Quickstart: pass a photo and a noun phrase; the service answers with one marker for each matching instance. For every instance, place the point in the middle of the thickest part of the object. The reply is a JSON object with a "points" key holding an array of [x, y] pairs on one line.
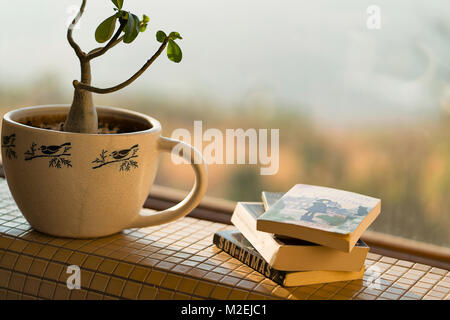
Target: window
{"points": [[360, 94]]}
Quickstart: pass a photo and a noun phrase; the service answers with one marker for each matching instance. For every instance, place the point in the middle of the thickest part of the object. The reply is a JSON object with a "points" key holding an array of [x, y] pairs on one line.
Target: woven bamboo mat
{"points": [[175, 261]]}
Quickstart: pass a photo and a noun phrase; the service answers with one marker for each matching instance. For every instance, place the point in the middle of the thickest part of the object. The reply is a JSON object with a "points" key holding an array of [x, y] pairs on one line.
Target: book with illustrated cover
{"points": [[290, 254], [235, 244], [326, 216]]}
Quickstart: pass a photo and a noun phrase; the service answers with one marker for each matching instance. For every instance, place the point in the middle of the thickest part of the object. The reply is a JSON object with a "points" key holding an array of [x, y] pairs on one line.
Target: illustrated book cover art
{"points": [[319, 214], [291, 254]]}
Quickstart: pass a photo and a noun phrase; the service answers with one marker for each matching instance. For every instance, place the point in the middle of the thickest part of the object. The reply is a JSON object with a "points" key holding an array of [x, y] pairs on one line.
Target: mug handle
{"points": [[194, 197]]}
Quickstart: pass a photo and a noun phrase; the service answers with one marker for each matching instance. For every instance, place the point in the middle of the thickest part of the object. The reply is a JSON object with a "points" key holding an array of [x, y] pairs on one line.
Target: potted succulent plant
{"points": [[84, 171]]}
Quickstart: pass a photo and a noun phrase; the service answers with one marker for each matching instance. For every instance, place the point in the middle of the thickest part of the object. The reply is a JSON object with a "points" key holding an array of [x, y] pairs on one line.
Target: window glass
{"points": [[352, 95]]}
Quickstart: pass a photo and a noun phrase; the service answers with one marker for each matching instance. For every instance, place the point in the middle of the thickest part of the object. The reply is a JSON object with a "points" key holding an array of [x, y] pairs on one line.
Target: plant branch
{"points": [[119, 40], [48, 156], [114, 41], [86, 87], [120, 160], [72, 42]]}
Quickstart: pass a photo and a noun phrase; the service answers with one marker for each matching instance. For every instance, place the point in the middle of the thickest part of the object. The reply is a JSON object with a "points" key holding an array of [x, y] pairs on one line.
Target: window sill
{"points": [[179, 261], [220, 210]]}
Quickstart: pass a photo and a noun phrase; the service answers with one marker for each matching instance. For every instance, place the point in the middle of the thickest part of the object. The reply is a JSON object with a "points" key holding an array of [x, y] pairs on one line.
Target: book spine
{"points": [[250, 259]]}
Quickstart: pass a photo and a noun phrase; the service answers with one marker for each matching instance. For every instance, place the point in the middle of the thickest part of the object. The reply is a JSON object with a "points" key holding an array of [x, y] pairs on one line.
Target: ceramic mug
{"points": [[90, 185]]}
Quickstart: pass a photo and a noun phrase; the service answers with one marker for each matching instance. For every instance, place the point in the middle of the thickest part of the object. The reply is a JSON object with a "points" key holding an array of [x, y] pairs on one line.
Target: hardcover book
{"points": [[235, 244], [290, 254], [325, 216]]}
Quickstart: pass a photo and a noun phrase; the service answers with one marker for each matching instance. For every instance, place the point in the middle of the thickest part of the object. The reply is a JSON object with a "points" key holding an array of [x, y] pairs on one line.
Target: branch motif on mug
{"points": [[124, 157], [57, 154], [8, 143]]}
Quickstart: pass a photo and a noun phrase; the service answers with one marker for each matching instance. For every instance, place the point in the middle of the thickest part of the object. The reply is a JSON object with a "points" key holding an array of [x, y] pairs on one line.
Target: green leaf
{"points": [[174, 52], [131, 29], [174, 36], [118, 3], [137, 22], [143, 24], [161, 36], [137, 26], [106, 29], [122, 14]]}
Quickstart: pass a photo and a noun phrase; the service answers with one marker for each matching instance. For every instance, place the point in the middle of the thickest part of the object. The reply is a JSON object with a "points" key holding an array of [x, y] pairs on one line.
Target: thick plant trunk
{"points": [[82, 116]]}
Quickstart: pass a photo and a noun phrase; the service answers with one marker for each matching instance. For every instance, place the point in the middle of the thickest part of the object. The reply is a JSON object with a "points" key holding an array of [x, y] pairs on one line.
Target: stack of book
{"points": [[306, 236]]}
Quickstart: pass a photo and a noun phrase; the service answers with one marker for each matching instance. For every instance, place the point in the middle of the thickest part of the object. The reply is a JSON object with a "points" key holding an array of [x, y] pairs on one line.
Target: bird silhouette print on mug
{"points": [[8, 143], [57, 154], [124, 156]]}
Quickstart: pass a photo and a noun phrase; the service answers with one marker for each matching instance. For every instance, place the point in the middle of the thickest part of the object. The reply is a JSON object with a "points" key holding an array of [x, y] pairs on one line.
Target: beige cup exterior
{"points": [[79, 200]]}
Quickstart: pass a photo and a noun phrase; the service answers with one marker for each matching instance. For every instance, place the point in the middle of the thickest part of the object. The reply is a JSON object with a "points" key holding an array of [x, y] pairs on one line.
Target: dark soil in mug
{"points": [[106, 125]]}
